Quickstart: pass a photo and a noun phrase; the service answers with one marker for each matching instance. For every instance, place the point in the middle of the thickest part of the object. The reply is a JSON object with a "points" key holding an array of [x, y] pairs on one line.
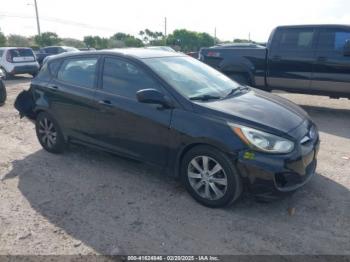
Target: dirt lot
{"points": [[90, 202]]}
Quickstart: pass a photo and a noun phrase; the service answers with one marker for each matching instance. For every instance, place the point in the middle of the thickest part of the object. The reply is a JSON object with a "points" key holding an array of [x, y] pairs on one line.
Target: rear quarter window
{"points": [[44, 74], [54, 66]]}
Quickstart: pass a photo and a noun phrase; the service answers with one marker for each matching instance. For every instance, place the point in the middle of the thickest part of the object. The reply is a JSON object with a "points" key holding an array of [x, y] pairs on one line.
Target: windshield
{"points": [[191, 77]]}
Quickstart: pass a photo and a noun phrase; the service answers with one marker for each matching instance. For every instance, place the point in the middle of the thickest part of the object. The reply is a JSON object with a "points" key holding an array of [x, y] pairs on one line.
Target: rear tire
{"points": [[49, 133], [210, 177], [6, 76], [3, 93], [34, 75]]}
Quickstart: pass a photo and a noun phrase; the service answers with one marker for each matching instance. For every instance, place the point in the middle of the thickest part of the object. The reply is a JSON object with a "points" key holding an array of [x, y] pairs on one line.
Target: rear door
{"points": [[125, 125], [71, 95], [291, 58], [332, 68]]}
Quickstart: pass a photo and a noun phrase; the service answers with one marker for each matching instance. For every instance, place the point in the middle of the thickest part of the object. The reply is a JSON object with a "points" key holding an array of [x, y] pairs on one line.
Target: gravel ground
{"points": [[90, 202]]}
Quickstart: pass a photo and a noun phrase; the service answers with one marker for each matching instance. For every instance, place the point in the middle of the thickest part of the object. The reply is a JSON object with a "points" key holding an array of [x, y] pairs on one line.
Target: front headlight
{"points": [[263, 141]]}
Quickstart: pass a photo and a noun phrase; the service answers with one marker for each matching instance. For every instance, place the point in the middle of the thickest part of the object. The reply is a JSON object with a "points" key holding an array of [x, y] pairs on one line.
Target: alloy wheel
{"points": [[48, 133], [207, 177]]}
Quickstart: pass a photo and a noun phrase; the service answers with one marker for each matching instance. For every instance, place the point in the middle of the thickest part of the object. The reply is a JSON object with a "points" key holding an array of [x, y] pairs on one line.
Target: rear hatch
{"points": [[20, 55]]}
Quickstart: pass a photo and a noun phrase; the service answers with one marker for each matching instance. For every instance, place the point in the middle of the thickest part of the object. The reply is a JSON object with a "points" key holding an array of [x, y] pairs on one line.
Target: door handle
{"points": [[105, 102], [276, 58], [321, 59], [54, 88]]}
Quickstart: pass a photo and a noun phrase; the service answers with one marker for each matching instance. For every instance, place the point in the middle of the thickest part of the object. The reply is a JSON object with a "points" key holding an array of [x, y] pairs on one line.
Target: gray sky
{"points": [[233, 19]]}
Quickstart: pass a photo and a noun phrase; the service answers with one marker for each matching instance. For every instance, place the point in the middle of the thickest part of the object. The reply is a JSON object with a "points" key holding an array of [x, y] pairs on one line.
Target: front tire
{"points": [[210, 177], [49, 133]]}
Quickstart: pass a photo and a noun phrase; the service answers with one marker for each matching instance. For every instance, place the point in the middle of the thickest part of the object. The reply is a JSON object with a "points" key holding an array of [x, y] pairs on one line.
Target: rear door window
{"points": [[296, 39], [79, 71]]}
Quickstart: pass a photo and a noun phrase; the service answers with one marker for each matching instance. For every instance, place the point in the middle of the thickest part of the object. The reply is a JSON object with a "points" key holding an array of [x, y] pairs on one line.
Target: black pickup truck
{"points": [[309, 59]]}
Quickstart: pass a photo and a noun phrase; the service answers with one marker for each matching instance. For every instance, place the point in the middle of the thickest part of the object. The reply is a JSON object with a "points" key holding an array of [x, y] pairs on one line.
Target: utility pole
{"points": [[215, 36], [37, 17], [165, 26]]}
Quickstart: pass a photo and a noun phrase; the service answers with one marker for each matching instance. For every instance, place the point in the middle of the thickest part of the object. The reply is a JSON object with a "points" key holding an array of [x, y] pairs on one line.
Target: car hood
{"points": [[262, 108]]}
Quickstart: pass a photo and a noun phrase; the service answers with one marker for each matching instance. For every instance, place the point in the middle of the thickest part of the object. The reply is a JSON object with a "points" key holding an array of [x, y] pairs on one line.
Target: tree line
{"points": [[182, 39]]}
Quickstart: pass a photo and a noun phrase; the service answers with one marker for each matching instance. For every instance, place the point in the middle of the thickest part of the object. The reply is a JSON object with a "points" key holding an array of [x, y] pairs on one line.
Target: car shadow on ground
{"points": [[330, 120], [118, 206]]}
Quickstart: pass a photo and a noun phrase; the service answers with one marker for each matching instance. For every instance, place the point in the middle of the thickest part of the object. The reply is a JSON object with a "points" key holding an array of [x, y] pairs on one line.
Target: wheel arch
{"points": [[239, 65], [194, 144], [45, 110]]}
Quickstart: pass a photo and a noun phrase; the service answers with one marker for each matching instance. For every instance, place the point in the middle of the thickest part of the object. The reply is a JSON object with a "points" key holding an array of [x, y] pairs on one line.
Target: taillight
{"points": [[213, 54], [8, 57]]}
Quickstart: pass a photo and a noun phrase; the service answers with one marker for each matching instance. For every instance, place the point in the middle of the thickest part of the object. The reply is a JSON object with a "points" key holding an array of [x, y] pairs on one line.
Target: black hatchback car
{"points": [[171, 110]]}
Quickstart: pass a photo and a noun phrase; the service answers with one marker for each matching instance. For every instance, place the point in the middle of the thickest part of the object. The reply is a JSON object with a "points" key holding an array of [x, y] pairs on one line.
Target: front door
{"points": [[124, 125], [291, 58]]}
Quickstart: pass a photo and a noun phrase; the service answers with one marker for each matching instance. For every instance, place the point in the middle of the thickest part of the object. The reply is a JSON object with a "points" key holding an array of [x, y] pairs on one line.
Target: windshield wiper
{"points": [[237, 90], [205, 97]]}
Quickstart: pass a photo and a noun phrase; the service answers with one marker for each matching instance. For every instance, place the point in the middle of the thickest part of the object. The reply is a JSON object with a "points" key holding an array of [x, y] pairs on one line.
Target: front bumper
{"points": [[269, 175]]}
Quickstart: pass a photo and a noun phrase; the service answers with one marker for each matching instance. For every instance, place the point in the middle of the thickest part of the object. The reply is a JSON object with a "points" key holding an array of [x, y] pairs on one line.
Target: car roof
{"points": [[14, 47], [138, 53], [314, 26], [51, 46]]}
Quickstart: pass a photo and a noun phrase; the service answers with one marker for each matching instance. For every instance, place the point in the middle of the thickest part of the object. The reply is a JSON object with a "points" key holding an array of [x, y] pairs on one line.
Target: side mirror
{"points": [[346, 50], [153, 96]]}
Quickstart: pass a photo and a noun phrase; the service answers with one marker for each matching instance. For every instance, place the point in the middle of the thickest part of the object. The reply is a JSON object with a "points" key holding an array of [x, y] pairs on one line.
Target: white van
{"points": [[17, 60]]}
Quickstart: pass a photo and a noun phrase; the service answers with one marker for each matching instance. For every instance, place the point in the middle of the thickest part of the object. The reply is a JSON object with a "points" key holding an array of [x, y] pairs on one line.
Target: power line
{"points": [[59, 21]]}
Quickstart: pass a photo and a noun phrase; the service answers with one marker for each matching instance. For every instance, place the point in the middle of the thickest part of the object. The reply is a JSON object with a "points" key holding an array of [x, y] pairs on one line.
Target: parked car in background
{"points": [[309, 59], [53, 50], [161, 48], [87, 49], [17, 60], [193, 54], [3, 93], [237, 45], [174, 111]]}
